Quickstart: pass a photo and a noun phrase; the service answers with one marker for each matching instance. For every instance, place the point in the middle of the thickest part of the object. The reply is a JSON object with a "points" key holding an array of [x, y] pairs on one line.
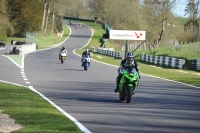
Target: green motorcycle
{"points": [[128, 84]]}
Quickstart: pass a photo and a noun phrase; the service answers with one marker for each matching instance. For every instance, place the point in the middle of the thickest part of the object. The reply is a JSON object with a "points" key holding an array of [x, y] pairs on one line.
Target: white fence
{"points": [[107, 51], [195, 64], [163, 60]]}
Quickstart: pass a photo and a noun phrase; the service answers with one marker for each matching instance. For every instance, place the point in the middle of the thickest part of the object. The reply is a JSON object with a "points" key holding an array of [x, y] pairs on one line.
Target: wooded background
{"points": [[153, 16]]}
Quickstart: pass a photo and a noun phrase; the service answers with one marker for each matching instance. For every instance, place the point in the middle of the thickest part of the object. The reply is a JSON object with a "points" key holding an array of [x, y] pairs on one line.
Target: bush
{"points": [[3, 35]]}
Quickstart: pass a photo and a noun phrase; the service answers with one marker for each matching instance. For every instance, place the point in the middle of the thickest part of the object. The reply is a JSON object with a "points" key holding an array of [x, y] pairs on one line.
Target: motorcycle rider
{"points": [[70, 22], [86, 52], [129, 62], [63, 50]]}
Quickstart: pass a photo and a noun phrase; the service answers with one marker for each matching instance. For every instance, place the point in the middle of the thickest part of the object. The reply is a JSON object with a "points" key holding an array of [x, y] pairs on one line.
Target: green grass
{"points": [[33, 112], [166, 51], [42, 41], [16, 58], [50, 39]]}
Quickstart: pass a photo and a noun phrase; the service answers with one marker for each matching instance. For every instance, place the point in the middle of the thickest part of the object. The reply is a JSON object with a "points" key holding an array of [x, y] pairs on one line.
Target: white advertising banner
{"points": [[127, 35]]}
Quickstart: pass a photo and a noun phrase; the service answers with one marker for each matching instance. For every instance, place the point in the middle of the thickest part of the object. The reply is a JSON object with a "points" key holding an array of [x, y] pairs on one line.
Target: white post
{"points": [[126, 49], [173, 45], [199, 38]]}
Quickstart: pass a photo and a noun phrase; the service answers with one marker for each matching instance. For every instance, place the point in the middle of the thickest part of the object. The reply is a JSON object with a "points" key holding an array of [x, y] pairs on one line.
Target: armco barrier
{"points": [[164, 60], [195, 64], [109, 52]]}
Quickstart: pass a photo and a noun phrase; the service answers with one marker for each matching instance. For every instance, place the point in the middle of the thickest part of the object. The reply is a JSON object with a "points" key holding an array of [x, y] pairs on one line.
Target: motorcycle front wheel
{"points": [[129, 93], [85, 66]]}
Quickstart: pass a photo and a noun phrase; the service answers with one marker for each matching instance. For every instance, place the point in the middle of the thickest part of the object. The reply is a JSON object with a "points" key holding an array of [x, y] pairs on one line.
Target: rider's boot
{"points": [[117, 88], [81, 63], [138, 80]]}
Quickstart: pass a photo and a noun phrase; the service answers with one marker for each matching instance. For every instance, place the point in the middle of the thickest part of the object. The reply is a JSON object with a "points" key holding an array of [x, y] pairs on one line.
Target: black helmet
{"points": [[63, 47], [130, 56]]}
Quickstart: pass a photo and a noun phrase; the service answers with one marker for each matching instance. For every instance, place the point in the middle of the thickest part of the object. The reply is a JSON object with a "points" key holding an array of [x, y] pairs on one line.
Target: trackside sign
{"points": [[127, 35]]}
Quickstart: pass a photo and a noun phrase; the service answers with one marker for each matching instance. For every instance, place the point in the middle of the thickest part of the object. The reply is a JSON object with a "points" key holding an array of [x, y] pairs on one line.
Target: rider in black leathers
{"points": [[124, 63]]}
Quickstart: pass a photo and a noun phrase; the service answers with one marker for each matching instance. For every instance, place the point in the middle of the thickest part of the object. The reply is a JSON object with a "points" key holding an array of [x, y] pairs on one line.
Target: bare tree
{"points": [[47, 16], [53, 16], [192, 10], [44, 14], [157, 13]]}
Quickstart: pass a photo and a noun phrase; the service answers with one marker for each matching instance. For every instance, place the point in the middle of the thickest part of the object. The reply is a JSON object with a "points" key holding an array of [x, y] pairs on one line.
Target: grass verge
{"points": [[31, 111], [50, 39], [16, 58]]}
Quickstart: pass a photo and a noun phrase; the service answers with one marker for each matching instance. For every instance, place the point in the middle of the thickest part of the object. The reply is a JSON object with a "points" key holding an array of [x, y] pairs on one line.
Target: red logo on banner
{"points": [[138, 35]]}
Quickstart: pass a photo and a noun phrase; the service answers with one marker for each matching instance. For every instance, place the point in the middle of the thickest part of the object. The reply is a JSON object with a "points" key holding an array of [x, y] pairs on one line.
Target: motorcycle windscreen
{"points": [[130, 70]]}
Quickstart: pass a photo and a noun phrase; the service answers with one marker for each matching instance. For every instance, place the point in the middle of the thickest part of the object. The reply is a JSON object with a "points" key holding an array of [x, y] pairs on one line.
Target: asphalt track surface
{"points": [[159, 105]]}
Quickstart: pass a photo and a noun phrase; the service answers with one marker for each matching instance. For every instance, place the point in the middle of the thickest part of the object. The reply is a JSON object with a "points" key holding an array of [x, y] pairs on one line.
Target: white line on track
{"points": [[81, 127]]}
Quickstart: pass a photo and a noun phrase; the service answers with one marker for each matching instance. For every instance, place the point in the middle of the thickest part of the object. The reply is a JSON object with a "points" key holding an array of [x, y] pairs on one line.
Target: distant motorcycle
{"points": [[70, 22], [86, 62], [63, 57], [128, 84]]}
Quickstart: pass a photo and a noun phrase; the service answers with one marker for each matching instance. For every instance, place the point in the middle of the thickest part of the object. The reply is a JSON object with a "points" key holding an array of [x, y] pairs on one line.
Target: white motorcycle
{"points": [[63, 57]]}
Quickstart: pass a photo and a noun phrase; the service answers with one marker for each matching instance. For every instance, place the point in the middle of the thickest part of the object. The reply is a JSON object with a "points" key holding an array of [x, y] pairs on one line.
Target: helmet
{"points": [[86, 51], [63, 47], [130, 56]]}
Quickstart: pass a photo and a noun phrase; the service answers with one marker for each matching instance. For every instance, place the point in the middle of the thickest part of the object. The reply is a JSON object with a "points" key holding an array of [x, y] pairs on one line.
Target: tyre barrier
{"points": [[107, 51], [195, 64], [163, 61]]}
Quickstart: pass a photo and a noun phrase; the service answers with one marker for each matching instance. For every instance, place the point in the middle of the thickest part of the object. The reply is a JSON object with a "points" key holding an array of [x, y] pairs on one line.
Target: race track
{"points": [[159, 106]]}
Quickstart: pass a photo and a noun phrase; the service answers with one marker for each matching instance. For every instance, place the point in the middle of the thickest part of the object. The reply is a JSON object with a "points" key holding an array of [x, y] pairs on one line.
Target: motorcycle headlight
{"points": [[131, 74]]}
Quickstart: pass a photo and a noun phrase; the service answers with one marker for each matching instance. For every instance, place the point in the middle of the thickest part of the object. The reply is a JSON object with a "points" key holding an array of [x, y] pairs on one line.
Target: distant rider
{"points": [[63, 50], [129, 62], [86, 52]]}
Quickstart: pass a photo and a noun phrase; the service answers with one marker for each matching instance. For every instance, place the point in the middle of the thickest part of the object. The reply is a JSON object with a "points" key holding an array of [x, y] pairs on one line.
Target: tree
{"points": [[6, 28], [157, 14], [26, 16], [44, 14], [53, 16], [47, 16], [192, 10]]}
